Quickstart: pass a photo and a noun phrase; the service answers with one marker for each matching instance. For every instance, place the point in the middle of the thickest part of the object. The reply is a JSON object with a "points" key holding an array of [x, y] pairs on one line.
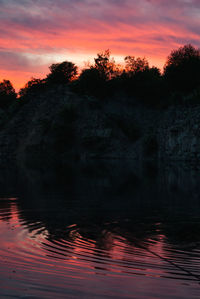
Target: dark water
{"points": [[100, 231]]}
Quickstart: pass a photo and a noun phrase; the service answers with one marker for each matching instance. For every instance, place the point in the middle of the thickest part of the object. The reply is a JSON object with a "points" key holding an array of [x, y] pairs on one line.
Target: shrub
{"points": [[7, 94], [32, 87], [182, 69], [90, 82], [135, 65], [62, 73], [104, 65]]}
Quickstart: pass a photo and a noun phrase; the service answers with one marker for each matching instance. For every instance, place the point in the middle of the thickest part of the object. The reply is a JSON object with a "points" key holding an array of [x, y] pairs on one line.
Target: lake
{"points": [[100, 230]]}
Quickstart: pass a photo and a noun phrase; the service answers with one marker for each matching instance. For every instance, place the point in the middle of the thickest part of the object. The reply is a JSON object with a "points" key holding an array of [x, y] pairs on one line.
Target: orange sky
{"points": [[35, 34]]}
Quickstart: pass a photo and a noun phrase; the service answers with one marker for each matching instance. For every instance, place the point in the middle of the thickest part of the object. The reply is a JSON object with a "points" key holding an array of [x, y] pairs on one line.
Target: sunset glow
{"points": [[35, 34]]}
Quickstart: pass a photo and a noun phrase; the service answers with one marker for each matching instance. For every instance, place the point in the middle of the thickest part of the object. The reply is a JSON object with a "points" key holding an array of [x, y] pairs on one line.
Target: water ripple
{"points": [[38, 259]]}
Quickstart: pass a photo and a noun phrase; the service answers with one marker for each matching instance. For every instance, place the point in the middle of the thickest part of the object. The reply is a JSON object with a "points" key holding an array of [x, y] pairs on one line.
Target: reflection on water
{"points": [[100, 231]]}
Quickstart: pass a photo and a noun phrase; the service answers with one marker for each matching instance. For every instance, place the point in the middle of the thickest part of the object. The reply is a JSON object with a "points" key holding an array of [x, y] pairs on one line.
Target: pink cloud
{"points": [[32, 30]]}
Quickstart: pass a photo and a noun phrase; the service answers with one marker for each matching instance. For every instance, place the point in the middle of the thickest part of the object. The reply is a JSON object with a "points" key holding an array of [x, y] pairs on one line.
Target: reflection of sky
{"points": [[36, 33], [26, 243], [33, 263]]}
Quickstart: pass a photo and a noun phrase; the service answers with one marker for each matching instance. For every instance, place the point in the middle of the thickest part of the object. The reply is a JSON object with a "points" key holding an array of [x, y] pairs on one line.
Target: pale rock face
{"points": [[181, 139]]}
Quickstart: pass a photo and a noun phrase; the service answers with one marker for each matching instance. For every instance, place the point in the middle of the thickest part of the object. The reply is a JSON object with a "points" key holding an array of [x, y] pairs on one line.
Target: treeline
{"points": [[179, 83]]}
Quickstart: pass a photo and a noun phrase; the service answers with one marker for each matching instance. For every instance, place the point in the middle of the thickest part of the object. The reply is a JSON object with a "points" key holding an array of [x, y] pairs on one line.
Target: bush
{"points": [[135, 65], [62, 73], [105, 65], [90, 82], [7, 94], [148, 86], [32, 87], [182, 69]]}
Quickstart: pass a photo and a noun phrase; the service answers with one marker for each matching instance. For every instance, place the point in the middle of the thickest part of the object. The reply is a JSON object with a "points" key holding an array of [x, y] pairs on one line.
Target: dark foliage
{"points": [[94, 81], [105, 65], [145, 84], [179, 83], [149, 85], [62, 73], [32, 87], [135, 65], [7, 94], [90, 82], [140, 82], [182, 69]]}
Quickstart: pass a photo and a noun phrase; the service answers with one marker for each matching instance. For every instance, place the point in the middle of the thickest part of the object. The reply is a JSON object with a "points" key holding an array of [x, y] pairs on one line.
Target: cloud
{"points": [[18, 61], [36, 32]]}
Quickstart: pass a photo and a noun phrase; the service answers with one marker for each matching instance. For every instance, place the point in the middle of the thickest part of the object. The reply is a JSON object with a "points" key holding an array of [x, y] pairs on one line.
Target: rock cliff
{"points": [[59, 125]]}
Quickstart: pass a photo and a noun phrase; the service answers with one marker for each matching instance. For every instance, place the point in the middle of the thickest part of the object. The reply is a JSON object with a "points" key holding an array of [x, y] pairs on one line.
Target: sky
{"points": [[36, 33]]}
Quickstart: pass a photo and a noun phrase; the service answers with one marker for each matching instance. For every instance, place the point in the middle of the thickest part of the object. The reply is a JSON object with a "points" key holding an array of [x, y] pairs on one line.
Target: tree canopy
{"points": [[63, 72], [182, 69], [135, 78], [105, 65], [134, 65], [32, 86], [7, 94]]}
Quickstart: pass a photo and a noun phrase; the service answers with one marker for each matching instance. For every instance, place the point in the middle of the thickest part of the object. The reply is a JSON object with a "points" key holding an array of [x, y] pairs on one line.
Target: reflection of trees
{"points": [[87, 209], [107, 198], [5, 209]]}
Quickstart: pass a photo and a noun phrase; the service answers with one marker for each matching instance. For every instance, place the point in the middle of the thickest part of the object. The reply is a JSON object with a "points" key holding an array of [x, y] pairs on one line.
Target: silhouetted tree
{"points": [[182, 69], [94, 80], [32, 86], [7, 94], [149, 85], [62, 73], [134, 65], [140, 81], [105, 65], [144, 84], [90, 82]]}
